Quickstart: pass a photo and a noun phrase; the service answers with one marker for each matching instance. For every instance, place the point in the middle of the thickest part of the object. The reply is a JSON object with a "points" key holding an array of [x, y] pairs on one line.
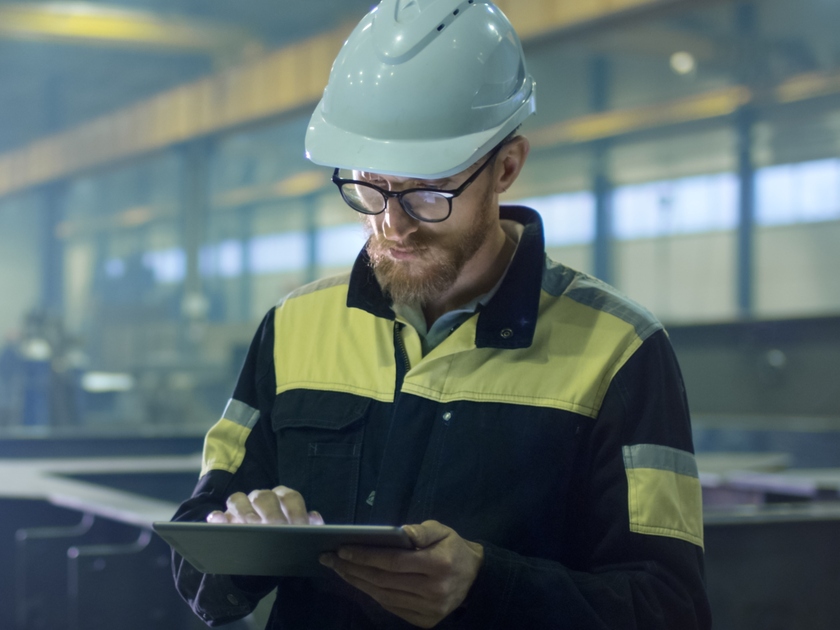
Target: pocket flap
{"points": [[319, 410]]}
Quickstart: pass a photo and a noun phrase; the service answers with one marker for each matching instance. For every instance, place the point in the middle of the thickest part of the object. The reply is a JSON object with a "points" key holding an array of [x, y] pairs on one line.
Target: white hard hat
{"points": [[422, 88]]}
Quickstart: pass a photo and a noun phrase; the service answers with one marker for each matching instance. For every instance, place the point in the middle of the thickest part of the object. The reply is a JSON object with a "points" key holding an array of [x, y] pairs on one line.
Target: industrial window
{"points": [[568, 218], [168, 266], [274, 253], [223, 259], [682, 206], [338, 245], [798, 193]]}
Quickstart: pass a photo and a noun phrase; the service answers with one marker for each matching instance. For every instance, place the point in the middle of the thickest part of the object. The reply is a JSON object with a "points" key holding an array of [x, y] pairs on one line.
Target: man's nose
{"points": [[397, 224]]}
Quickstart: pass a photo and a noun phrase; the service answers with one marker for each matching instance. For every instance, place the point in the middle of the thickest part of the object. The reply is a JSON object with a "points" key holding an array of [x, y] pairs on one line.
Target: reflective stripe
{"points": [[559, 280], [224, 444], [664, 496], [224, 447], [242, 414], [660, 458], [318, 285]]}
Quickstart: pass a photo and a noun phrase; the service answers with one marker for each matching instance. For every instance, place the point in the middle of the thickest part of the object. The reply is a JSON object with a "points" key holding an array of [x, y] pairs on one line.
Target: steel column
{"points": [[601, 185], [744, 122]]}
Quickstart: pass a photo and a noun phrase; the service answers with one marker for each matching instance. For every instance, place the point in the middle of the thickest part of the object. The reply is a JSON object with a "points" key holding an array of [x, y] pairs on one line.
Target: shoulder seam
{"points": [[318, 285], [597, 294]]}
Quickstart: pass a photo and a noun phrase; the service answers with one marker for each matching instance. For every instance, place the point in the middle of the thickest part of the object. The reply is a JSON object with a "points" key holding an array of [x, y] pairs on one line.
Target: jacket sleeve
{"points": [[636, 522], [239, 456]]}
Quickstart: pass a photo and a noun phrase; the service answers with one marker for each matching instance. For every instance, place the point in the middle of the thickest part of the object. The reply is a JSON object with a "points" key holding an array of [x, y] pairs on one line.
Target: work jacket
{"points": [[551, 427]]}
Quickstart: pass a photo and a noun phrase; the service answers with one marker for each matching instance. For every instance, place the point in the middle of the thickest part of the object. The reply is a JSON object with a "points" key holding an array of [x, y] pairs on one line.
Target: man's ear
{"points": [[510, 161]]}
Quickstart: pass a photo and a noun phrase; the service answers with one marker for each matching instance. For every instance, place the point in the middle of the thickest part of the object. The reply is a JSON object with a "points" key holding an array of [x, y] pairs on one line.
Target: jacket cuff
{"points": [[487, 602], [224, 598]]}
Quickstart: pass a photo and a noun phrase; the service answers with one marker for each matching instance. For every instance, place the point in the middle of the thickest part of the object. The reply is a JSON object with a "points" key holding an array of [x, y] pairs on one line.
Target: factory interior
{"points": [[156, 202]]}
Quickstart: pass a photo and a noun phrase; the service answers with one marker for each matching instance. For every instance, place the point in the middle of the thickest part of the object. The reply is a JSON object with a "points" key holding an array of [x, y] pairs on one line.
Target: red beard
{"points": [[436, 263]]}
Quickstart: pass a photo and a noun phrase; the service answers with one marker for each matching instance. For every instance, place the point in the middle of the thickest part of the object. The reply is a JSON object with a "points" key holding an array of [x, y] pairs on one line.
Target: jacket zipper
{"points": [[402, 369]]}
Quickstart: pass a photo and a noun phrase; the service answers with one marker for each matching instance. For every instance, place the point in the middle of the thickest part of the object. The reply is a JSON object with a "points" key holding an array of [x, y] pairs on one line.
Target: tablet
{"points": [[293, 550]]}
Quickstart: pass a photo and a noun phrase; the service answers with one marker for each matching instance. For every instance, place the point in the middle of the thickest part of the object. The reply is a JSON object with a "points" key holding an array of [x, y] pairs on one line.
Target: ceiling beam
{"points": [[610, 124], [101, 25], [535, 19], [275, 84]]}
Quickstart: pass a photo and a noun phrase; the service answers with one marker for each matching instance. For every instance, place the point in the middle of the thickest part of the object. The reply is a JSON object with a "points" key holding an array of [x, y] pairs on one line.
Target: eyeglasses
{"points": [[429, 205]]}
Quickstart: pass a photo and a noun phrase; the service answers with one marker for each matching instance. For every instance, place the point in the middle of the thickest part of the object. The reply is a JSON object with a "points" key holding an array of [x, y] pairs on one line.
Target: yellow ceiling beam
{"points": [[534, 18], [279, 82], [296, 185], [92, 24], [283, 81], [807, 86], [609, 124]]}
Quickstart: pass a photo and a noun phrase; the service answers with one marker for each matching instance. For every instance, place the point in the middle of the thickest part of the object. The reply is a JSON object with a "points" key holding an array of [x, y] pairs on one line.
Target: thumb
{"points": [[427, 533]]}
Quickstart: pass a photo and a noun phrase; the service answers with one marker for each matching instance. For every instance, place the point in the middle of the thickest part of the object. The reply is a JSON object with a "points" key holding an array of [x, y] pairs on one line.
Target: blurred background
{"points": [[155, 202]]}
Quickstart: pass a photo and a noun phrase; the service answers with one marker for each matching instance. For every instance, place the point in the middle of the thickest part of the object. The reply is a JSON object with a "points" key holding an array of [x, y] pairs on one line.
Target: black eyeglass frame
{"points": [[449, 195]]}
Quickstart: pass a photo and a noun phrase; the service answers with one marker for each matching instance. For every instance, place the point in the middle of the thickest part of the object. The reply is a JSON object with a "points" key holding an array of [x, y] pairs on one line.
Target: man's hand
{"points": [[421, 586], [280, 505]]}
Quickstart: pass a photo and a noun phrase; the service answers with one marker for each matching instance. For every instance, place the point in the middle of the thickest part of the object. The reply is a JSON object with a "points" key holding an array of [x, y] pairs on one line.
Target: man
{"points": [[526, 422]]}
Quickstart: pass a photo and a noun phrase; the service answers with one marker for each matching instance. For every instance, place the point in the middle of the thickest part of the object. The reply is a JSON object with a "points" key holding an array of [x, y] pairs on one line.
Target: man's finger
{"points": [[427, 533], [241, 510], [389, 560], [389, 580], [293, 505], [423, 536], [217, 516], [267, 505]]}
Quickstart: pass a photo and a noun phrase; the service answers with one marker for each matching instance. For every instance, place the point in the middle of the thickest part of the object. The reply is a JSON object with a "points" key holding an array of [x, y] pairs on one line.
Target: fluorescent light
{"points": [[102, 382]]}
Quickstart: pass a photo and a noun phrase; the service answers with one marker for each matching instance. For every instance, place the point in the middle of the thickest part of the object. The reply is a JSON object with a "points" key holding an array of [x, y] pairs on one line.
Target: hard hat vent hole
{"points": [[456, 11], [440, 28]]}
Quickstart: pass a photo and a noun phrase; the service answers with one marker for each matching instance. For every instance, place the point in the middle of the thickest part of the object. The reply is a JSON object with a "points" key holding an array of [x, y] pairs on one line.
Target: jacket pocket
{"points": [[319, 446]]}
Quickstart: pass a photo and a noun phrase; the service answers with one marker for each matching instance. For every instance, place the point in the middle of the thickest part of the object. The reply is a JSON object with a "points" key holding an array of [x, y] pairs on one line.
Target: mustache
{"points": [[414, 243]]}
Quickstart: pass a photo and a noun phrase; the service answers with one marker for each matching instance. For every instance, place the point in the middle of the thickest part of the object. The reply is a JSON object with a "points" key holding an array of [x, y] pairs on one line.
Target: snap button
{"points": [[447, 416], [506, 333]]}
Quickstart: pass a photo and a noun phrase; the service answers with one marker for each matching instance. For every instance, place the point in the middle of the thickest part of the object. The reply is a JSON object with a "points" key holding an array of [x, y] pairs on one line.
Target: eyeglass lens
{"points": [[425, 205]]}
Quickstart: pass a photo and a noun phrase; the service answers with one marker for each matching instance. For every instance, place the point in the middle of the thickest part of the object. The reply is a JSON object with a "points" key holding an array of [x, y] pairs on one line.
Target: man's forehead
{"points": [[395, 179]]}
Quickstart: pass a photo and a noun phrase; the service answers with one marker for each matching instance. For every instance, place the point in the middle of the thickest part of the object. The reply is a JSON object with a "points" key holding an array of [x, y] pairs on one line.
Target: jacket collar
{"points": [[509, 319]]}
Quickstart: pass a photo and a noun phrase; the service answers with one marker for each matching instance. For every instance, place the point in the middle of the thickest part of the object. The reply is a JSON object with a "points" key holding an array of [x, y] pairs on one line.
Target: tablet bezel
{"points": [[242, 549]]}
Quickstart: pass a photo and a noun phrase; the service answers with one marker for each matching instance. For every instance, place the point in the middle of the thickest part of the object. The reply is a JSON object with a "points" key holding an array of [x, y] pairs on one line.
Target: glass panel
{"points": [[568, 219], [792, 193], [683, 206], [167, 266], [338, 246]]}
